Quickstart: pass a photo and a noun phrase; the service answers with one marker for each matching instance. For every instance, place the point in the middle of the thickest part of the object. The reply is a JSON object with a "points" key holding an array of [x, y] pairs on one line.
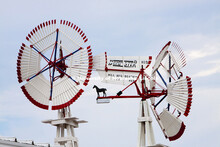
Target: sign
{"points": [[120, 69]]}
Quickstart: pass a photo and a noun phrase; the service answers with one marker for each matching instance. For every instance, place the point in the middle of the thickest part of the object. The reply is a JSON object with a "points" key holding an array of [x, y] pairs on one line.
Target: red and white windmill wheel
{"points": [[167, 75], [54, 64]]}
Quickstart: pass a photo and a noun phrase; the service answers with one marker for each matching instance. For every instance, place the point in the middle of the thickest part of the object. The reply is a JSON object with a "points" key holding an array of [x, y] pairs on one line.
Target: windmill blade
{"points": [[120, 69], [73, 33], [65, 93], [177, 56], [180, 94], [71, 37], [26, 67], [100, 62], [172, 127], [38, 91], [176, 53], [80, 65], [162, 54], [42, 35]]}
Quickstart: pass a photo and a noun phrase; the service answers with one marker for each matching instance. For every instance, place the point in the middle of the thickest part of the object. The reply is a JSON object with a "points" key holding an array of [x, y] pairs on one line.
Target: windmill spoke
{"points": [[162, 78], [50, 76], [154, 81], [59, 69], [40, 72], [168, 71], [53, 50], [65, 57], [46, 59], [53, 72], [160, 101]]}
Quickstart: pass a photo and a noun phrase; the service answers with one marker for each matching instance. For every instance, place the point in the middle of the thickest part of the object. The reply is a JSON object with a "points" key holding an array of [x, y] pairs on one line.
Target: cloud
{"points": [[202, 100], [3, 120], [196, 54], [15, 104], [202, 53], [200, 46], [216, 62], [207, 72]]}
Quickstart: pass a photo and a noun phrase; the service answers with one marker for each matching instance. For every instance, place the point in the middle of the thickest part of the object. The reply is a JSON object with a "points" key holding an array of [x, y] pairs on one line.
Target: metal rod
{"points": [[169, 68], [143, 95], [160, 100], [131, 83], [168, 106], [66, 74], [118, 97], [40, 72], [40, 53], [161, 78], [61, 59], [53, 72]]}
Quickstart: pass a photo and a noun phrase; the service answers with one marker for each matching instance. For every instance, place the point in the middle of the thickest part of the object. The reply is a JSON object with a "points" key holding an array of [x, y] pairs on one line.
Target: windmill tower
{"points": [[53, 66]]}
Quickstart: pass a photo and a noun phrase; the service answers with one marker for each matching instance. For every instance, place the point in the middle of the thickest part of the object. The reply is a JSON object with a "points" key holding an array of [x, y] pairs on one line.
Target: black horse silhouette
{"points": [[98, 90]]}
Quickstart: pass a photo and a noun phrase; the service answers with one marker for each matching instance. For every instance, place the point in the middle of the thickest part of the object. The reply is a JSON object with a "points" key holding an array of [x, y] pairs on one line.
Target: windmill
{"points": [[53, 66], [165, 86]]}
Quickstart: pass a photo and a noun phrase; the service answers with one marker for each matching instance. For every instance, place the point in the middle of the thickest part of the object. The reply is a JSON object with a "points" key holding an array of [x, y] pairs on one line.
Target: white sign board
{"points": [[120, 69]]}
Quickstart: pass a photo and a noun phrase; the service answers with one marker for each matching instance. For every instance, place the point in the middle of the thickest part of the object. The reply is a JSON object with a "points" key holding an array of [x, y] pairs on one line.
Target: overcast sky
{"points": [[120, 27]]}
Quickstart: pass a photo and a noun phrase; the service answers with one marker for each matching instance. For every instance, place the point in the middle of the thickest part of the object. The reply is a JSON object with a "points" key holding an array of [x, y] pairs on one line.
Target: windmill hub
{"points": [[51, 63]]}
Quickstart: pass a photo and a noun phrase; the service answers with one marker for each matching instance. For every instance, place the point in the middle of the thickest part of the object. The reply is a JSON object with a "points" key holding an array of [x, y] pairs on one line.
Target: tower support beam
{"points": [[65, 124], [145, 129]]}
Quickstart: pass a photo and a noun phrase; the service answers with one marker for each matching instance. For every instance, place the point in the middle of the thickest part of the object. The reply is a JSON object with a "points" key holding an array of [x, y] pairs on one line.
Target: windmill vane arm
{"points": [[144, 96], [39, 53], [155, 93], [62, 71]]}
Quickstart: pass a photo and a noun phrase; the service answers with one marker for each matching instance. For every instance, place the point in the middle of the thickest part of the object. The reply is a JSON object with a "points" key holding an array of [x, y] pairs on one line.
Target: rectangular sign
{"points": [[127, 62], [120, 69]]}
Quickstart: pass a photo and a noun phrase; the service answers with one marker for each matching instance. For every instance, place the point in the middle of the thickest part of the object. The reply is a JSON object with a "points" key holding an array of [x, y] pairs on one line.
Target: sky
{"points": [[122, 28]]}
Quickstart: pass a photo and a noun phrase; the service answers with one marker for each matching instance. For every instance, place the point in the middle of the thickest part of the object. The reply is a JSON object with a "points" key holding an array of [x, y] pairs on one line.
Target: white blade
{"points": [[177, 56], [38, 91], [173, 126], [160, 58], [180, 94], [65, 93]]}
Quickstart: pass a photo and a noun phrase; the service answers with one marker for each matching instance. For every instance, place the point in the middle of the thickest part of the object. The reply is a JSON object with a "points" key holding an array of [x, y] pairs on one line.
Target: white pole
{"points": [[145, 128]]}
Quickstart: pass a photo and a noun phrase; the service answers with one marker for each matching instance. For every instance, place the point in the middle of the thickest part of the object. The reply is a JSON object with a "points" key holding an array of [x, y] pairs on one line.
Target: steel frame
{"points": [[145, 129], [141, 93]]}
